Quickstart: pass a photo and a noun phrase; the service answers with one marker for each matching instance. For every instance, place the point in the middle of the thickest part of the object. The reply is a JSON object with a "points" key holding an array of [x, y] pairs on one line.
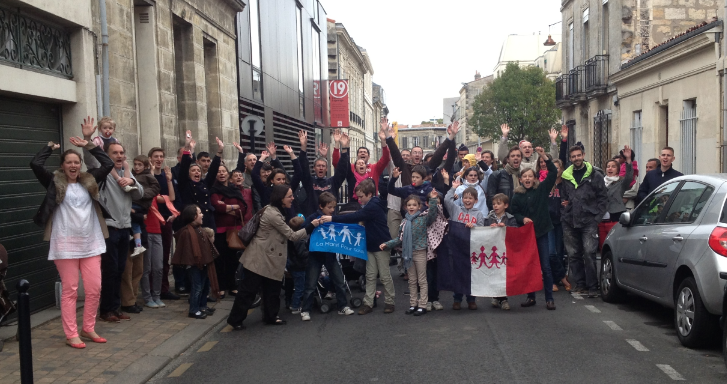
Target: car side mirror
{"points": [[625, 219]]}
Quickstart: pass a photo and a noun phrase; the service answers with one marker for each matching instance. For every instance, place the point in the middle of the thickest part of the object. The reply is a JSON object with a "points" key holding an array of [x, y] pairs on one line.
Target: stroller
{"points": [[323, 299]]}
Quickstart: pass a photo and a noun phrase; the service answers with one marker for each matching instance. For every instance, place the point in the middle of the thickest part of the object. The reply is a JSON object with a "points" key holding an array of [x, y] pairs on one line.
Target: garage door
{"points": [[25, 126]]}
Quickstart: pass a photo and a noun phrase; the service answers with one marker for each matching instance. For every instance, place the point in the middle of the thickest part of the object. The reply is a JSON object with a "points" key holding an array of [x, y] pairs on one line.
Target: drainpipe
{"points": [[724, 89], [104, 57]]}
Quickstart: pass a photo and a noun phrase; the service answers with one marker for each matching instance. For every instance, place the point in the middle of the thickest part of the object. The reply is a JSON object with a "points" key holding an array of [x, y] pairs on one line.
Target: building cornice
{"points": [[687, 48], [343, 34], [695, 71]]}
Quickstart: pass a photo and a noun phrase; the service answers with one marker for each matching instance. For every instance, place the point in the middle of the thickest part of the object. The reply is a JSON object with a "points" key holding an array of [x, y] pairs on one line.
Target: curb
{"points": [[148, 365], [8, 331]]}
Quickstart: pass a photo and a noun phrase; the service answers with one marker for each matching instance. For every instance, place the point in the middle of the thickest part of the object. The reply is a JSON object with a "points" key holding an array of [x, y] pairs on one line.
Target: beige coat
{"points": [[268, 251]]}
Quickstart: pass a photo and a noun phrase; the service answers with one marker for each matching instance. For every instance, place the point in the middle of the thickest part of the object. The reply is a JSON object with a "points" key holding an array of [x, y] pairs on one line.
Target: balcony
{"points": [[561, 91], [577, 84], [596, 75]]}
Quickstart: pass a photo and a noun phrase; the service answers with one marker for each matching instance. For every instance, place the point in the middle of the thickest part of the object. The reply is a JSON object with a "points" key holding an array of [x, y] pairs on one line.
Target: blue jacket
{"points": [[653, 179], [422, 191], [373, 214]]}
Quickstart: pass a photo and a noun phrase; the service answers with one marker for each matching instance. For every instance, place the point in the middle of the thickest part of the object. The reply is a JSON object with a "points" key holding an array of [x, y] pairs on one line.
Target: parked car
{"points": [[671, 249]]}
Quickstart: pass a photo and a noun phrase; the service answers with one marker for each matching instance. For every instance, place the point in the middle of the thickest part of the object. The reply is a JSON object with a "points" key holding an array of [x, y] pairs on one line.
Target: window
{"points": [[315, 12], [651, 208], [688, 203], [256, 59], [570, 46], [636, 134], [585, 38], [689, 137], [404, 143], [604, 27], [299, 36], [317, 104]]}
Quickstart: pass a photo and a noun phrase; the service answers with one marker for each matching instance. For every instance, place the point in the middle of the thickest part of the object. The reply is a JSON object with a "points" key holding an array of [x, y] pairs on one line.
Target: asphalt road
{"points": [[583, 341]]}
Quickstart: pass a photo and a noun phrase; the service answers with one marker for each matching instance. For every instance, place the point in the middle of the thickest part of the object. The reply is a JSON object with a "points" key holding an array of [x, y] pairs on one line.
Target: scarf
{"points": [[435, 233], [407, 240], [230, 191], [513, 172], [542, 174], [610, 180]]}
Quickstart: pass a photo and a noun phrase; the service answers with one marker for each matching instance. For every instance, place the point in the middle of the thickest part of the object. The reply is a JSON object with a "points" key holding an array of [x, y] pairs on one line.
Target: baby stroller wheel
{"points": [[356, 302], [325, 308]]}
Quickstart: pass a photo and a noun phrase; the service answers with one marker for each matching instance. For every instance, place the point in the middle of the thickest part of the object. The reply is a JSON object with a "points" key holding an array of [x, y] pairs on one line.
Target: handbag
{"points": [[247, 232], [233, 241]]}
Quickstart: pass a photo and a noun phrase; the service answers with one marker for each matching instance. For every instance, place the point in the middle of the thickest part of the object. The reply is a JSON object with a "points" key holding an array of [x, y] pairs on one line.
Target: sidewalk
{"points": [[136, 349]]}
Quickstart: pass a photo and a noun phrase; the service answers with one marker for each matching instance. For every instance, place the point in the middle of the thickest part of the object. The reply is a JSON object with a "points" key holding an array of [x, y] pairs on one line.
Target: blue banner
{"points": [[346, 239]]}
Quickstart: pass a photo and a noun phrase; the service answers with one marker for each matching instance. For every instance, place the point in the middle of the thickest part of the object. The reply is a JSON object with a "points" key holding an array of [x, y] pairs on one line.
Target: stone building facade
{"points": [[599, 37], [426, 136], [464, 112]]}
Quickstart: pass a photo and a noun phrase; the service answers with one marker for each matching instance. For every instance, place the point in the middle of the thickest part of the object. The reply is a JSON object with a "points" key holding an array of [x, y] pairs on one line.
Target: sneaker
{"points": [[592, 293], [138, 251], [330, 296], [495, 303], [130, 188], [365, 310], [505, 305], [198, 315], [305, 316], [160, 303], [168, 296], [420, 311], [295, 311], [437, 306], [152, 304], [346, 311], [429, 306]]}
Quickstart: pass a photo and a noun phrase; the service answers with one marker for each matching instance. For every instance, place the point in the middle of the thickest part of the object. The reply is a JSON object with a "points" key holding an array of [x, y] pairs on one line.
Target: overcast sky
{"points": [[423, 50]]}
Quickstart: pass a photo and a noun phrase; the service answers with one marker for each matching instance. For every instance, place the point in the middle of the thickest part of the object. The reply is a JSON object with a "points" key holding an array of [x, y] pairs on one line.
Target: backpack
{"points": [[248, 231]]}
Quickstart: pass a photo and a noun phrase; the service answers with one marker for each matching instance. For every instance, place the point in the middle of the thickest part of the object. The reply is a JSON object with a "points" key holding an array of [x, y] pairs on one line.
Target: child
{"points": [[413, 238], [498, 217], [296, 265], [326, 207], [468, 215], [474, 178], [530, 205], [195, 250], [140, 207], [419, 187], [106, 129], [373, 214]]}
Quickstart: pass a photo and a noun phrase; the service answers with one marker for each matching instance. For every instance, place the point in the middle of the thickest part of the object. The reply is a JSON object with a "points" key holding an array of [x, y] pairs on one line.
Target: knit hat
{"points": [[471, 158], [463, 148]]}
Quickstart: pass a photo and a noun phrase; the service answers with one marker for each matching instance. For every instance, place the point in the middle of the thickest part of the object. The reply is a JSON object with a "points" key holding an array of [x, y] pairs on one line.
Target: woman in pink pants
{"points": [[73, 218]]}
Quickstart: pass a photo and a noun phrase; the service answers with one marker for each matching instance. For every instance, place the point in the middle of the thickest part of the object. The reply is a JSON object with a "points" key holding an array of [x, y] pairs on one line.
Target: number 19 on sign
{"points": [[339, 103]]}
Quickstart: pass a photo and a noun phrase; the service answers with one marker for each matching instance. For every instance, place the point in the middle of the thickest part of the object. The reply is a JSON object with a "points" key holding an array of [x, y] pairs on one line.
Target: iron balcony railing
{"points": [[561, 88], [596, 73]]}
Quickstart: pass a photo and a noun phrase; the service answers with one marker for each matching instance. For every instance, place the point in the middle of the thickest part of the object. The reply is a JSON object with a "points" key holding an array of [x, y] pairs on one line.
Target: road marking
{"points": [[207, 346], [613, 325], [637, 345], [577, 296], [593, 309], [673, 374], [180, 370]]}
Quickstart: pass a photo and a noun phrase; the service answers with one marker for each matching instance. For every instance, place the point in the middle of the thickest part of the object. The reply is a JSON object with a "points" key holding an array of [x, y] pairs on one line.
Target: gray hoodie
{"points": [[113, 196], [462, 214]]}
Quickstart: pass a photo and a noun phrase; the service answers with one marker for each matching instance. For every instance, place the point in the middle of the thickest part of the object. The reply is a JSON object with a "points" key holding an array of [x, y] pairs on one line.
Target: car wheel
{"points": [[610, 291], [695, 326], [724, 341]]}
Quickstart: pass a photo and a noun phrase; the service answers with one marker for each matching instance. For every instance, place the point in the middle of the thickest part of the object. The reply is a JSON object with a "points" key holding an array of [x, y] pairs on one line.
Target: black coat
{"points": [[198, 192], [499, 182], [653, 179]]}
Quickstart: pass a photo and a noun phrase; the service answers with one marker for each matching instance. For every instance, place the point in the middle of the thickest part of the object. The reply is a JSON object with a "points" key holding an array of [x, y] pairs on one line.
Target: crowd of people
{"points": [[116, 223]]}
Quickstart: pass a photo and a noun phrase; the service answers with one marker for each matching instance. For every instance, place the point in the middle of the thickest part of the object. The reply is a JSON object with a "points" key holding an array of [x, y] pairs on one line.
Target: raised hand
{"points": [[478, 156], [627, 153], [288, 149], [238, 146], [168, 173], [564, 132], [455, 129], [434, 194], [445, 175], [53, 146], [192, 144], [87, 128], [540, 152], [220, 145], [395, 172], [345, 140], [336, 136], [323, 149], [505, 129], [272, 150], [303, 138], [264, 155], [78, 142], [456, 183], [384, 125], [391, 132], [187, 138], [553, 135]]}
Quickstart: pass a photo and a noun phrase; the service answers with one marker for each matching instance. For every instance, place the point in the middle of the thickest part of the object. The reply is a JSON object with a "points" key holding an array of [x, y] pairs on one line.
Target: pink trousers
{"points": [[90, 268]]}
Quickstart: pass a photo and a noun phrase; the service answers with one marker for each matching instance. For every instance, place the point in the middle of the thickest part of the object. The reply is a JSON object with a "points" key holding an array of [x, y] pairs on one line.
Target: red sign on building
{"points": [[339, 104]]}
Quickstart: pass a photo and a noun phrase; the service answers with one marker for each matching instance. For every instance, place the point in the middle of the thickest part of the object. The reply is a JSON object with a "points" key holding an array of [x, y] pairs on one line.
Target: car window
{"points": [[651, 208], [688, 203]]}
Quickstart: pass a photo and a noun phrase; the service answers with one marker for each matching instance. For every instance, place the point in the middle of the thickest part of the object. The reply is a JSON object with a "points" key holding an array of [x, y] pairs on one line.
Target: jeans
{"points": [[432, 280], [581, 244], [113, 263], [315, 261], [200, 288], [458, 298], [153, 266], [555, 245], [135, 226], [294, 287], [181, 282], [542, 242], [378, 265], [249, 286]]}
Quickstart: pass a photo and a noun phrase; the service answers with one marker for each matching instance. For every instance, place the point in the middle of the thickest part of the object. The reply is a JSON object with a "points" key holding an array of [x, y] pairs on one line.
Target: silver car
{"points": [[671, 249]]}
